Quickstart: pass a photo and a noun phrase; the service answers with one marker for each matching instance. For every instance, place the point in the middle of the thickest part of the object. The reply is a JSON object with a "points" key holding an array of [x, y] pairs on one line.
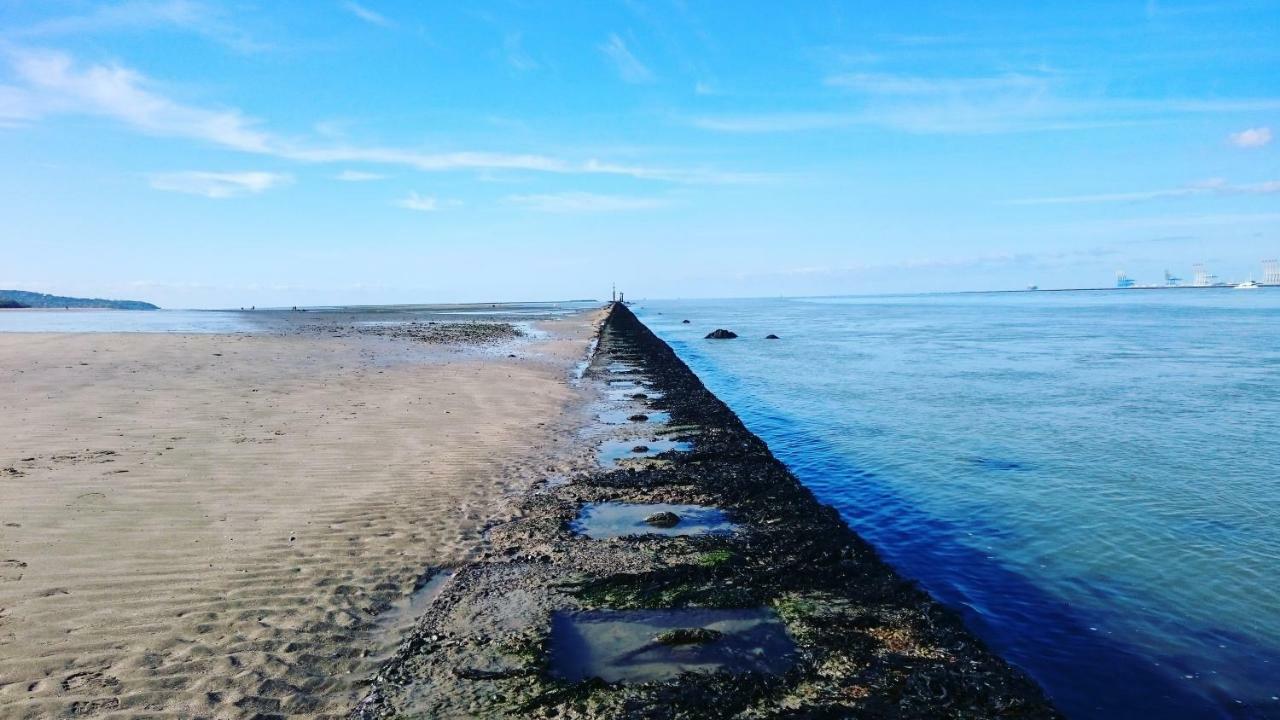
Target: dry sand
{"points": [[208, 525]]}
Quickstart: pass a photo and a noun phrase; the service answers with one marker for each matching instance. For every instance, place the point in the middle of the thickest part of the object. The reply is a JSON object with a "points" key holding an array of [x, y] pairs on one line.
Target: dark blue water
{"points": [[1090, 478]]}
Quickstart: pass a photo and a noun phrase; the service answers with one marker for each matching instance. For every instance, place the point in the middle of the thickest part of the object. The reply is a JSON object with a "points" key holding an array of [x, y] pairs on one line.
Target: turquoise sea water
{"points": [[1089, 477]]}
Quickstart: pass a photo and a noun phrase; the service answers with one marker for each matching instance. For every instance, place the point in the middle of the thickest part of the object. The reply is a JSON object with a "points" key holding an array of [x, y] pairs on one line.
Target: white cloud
{"points": [[56, 85], [1213, 186], [582, 202], [199, 18], [219, 185], [52, 83], [629, 68], [358, 176], [1251, 138], [423, 203], [370, 16]]}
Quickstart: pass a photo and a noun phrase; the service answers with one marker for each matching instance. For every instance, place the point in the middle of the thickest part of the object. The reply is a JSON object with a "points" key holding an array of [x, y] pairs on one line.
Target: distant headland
{"points": [[24, 299]]}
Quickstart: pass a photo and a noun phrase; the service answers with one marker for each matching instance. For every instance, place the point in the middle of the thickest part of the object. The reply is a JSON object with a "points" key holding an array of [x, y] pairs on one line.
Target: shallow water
{"points": [[618, 645], [233, 321], [610, 519], [613, 452], [1089, 477]]}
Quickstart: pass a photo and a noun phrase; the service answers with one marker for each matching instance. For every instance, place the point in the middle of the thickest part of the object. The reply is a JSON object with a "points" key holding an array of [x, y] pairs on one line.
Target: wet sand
{"points": [[216, 525]]}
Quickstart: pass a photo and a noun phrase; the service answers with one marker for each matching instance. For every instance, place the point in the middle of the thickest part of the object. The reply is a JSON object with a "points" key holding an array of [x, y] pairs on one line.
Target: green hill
{"points": [[23, 298]]}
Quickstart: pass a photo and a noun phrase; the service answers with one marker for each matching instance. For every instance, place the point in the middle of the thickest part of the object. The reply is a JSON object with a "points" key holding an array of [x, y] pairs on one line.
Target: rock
{"points": [[721, 334], [638, 418], [663, 519], [771, 336], [688, 636], [639, 396], [640, 449], [684, 322]]}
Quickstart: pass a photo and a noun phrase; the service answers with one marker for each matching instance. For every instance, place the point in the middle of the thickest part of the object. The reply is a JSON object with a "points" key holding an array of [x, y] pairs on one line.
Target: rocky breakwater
{"points": [[757, 602]]}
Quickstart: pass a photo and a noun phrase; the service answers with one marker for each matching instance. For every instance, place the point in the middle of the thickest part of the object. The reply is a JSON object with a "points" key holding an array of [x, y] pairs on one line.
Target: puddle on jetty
{"points": [[621, 367], [601, 521], [628, 393], [622, 416], [620, 645], [615, 451]]}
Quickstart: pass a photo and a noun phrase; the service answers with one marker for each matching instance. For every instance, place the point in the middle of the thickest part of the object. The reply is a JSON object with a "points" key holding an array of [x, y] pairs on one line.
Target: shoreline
{"points": [[859, 639], [232, 525]]}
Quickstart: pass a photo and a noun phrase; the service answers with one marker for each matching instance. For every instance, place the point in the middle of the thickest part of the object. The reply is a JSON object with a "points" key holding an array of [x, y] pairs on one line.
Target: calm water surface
{"points": [[1089, 477], [268, 319]]}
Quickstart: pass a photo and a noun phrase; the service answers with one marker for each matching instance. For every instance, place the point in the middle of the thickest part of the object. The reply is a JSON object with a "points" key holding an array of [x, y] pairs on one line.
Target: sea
{"points": [[1092, 478]]}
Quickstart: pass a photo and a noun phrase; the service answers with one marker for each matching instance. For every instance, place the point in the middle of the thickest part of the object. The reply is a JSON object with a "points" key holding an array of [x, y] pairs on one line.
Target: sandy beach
{"points": [[221, 525]]}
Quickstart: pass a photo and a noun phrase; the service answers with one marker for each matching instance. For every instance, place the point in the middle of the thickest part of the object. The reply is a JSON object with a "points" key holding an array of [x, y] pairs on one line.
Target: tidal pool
{"points": [[601, 521], [622, 645]]}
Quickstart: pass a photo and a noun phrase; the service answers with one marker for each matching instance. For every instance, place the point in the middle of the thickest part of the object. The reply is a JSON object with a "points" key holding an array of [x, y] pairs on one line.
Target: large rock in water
{"points": [[721, 334], [663, 519], [771, 336]]}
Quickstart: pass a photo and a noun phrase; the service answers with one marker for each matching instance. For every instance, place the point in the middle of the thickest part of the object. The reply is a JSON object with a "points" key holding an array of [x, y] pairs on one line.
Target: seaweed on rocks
{"points": [[868, 643]]}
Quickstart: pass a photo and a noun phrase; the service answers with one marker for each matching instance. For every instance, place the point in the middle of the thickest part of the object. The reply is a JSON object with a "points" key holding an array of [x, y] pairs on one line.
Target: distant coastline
{"points": [[24, 299]]}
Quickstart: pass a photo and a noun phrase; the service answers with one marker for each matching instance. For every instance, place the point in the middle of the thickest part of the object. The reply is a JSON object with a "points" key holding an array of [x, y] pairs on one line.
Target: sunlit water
{"points": [[1089, 477]]}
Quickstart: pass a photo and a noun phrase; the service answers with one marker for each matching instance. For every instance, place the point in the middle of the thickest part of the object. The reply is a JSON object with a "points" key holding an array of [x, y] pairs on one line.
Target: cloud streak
{"points": [[219, 185], [53, 84], [629, 68], [370, 16], [1215, 186], [584, 202], [1011, 102], [422, 203]]}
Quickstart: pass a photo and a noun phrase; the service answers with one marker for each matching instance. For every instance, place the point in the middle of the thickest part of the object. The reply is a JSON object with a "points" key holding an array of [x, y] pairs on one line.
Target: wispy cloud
{"points": [[52, 84], [1215, 186], [1251, 138], [1004, 103], [189, 16], [358, 176], [630, 69], [423, 203], [219, 185], [887, 84], [517, 57], [370, 16], [584, 202]]}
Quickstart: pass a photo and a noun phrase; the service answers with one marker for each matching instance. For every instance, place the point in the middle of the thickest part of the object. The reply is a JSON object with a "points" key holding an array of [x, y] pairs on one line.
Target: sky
{"points": [[222, 154]]}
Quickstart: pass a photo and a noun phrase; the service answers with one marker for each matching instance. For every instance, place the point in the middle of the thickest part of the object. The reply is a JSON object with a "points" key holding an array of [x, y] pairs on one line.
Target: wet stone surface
{"points": [[635, 646], [600, 521]]}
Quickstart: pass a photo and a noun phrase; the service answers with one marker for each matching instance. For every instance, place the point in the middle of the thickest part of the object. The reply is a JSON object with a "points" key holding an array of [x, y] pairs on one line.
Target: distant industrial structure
{"points": [[1202, 278], [1271, 272]]}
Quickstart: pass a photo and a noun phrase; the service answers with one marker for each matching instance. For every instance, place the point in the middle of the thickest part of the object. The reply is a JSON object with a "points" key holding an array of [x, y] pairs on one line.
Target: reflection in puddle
{"points": [[622, 646], [615, 451], [621, 367], [609, 520]]}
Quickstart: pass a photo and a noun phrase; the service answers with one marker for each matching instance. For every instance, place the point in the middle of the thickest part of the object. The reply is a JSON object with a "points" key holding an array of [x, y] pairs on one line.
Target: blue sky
{"points": [[205, 154]]}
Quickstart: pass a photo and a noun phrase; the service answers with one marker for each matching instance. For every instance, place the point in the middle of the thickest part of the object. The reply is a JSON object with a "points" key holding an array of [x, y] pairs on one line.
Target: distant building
{"points": [[1123, 280]]}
